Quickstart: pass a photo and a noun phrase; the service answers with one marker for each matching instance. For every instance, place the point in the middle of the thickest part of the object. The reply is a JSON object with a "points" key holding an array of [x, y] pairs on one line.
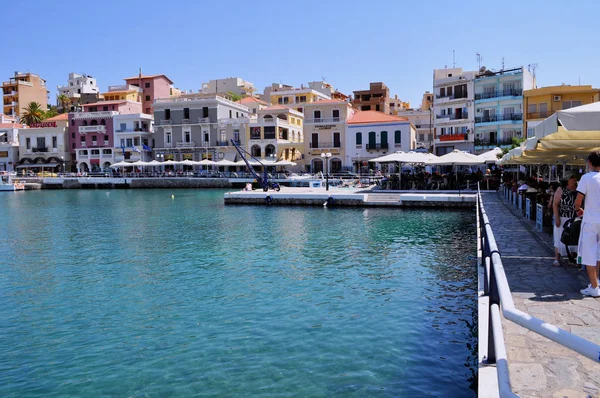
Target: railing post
{"points": [[493, 299]]}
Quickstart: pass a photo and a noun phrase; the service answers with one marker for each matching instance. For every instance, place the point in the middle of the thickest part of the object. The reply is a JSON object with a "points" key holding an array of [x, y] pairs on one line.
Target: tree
{"points": [[64, 102], [32, 113], [234, 96], [53, 111], [516, 142]]}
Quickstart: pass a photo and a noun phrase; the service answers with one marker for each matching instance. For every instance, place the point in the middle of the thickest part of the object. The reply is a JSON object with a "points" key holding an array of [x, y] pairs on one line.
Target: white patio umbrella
{"points": [[206, 162], [188, 162], [225, 162], [456, 158], [120, 164], [285, 163], [400, 157], [491, 156]]}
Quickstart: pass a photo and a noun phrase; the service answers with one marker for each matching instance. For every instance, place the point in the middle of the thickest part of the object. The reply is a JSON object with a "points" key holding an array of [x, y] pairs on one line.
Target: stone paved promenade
{"points": [[539, 367]]}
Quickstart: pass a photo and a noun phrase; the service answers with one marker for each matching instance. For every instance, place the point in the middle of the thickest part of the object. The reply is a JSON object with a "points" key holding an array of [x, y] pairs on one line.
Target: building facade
{"points": [[254, 104], [153, 87], [197, 127], [541, 103], [133, 137], [372, 134], [276, 133], [76, 86], [325, 131], [123, 92], [9, 145], [499, 107], [45, 143], [422, 121], [377, 98], [295, 98], [22, 89], [233, 85], [453, 106]]}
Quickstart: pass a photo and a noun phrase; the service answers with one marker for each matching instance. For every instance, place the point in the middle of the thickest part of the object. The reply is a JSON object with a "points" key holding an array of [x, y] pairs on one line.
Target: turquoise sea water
{"points": [[135, 293]]}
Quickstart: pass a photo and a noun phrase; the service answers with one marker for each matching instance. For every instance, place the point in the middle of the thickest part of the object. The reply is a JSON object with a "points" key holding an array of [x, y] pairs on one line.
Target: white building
{"points": [[499, 106], [295, 98], [77, 85], [231, 84], [134, 137], [423, 122], [371, 134], [45, 144], [9, 145], [453, 110]]}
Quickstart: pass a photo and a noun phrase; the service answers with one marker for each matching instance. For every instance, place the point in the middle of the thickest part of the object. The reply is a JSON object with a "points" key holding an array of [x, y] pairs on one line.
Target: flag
{"points": [[136, 149], [146, 148], [123, 148]]}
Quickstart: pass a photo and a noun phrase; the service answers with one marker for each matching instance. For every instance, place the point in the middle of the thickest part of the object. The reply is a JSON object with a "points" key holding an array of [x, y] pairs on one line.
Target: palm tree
{"points": [[64, 102], [32, 113]]}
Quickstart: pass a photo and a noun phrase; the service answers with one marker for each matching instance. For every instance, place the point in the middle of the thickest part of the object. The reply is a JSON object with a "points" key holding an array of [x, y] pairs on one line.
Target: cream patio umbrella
{"points": [[401, 158], [456, 158]]}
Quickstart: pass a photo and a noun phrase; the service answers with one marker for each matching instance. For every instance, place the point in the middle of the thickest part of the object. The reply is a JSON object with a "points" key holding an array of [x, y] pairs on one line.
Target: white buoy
{"points": [[172, 196]]}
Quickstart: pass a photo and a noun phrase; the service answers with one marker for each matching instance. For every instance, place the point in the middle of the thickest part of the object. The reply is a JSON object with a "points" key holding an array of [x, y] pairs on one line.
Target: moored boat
{"points": [[7, 183]]}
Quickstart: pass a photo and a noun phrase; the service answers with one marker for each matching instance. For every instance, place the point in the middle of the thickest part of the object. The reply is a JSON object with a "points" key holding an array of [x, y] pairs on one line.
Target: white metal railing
{"points": [[500, 300], [87, 115], [322, 120], [186, 144], [92, 129], [203, 120], [124, 87]]}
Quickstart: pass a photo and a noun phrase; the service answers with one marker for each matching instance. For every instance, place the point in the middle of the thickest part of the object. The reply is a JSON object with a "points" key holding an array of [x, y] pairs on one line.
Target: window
{"points": [[230, 113], [336, 115], [223, 135], [187, 136], [206, 138], [421, 137], [83, 140], [148, 110], [136, 141], [123, 127], [168, 138], [442, 92], [398, 137], [186, 113], [372, 140], [377, 108], [106, 137], [449, 111], [147, 85], [337, 142], [384, 139], [205, 111], [299, 110], [237, 114], [317, 116], [570, 104], [449, 91], [54, 142], [147, 98], [122, 142], [532, 108], [167, 114], [28, 143], [105, 108], [280, 100], [72, 135]]}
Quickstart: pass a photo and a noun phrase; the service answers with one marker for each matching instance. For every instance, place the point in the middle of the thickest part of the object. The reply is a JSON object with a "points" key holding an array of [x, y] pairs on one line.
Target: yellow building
{"points": [[296, 98], [541, 103], [123, 92], [22, 89]]}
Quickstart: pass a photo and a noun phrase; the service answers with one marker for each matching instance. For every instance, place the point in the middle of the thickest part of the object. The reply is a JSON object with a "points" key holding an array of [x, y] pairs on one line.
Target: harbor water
{"points": [[170, 293]]}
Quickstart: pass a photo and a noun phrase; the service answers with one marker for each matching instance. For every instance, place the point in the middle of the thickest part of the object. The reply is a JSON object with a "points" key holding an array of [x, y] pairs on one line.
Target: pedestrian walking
{"points": [[563, 209], [588, 195]]}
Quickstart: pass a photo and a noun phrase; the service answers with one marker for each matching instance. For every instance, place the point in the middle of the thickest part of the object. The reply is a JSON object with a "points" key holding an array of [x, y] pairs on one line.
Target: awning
{"points": [[33, 165]]}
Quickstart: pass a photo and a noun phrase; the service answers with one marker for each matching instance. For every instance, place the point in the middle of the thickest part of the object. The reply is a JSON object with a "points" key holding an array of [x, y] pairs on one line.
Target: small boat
{"points": [[7, 183]]}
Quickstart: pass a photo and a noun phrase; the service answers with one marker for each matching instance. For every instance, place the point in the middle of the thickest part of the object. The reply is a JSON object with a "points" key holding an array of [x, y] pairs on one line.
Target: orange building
{"points": [[22, 89]]}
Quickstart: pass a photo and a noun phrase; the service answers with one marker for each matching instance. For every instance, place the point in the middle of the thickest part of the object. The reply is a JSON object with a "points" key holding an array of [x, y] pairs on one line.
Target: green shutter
{"points": [[358, 138], [372, 140], [384, 137], [397, 136]]}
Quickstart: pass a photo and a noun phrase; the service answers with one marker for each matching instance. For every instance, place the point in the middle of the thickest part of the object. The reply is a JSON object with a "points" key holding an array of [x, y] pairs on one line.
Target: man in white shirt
{"points": [[588, 194]]}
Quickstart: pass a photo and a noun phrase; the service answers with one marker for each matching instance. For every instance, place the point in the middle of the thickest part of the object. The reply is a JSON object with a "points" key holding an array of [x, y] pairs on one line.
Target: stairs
{"points": [[383, 199]]}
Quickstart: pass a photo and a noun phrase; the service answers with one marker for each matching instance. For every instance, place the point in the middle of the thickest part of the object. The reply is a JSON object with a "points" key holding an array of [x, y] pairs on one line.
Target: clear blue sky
{"points": [[349, 43]]}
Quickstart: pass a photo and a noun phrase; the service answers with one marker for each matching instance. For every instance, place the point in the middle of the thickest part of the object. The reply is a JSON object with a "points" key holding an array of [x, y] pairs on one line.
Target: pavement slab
{"points": [[539, 367]]}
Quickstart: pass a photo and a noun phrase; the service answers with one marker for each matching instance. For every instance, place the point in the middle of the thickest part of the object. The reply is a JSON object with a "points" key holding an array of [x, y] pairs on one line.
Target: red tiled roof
{"points": [[148, 77], [62, 116], [11, 125], [251, 100], [363, 117]]}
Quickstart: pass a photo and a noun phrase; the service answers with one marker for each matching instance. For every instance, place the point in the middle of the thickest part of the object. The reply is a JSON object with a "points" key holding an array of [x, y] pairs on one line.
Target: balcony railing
{"points": [[92, 129], [222, 143], [454, 137], [185, 121], [323, 120], [92, 115], [497, 142], [165, 121], [138, 130], [539, 115], [499, 118], [509, 92], [10, 93], [464, 115], [372, 147], [186, 144], [40, 149], [423, 126], [452, 97], [322, 144], [203, 120]]}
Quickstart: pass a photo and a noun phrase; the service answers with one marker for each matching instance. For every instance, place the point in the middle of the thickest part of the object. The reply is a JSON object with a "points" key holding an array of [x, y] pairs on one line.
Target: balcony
{"points": [[136, 130], [460, 116], [233, 121], [204, 120], [512, 117], [453, 137], [10, 93], [185, 121], [222, 143], [499, 93], [487, 142], [165, 121], [322, 120], [185, 144], [93, 115], [376, 147], [40, 149], [539, 115], [322, 144], [92, 129]]}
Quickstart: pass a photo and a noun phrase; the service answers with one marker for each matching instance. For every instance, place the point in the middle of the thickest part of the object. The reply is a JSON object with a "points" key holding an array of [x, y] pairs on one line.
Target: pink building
{"points": [[153, 86], [91, 133]]}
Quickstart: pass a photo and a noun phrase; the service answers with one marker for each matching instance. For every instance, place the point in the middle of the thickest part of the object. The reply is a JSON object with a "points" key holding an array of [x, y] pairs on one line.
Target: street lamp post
{"points": [[62, 159], [160, 157], [326, 157]]}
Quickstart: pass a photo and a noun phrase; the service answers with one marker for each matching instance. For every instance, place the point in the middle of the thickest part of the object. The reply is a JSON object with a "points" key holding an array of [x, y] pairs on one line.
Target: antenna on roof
{"points": [[453, 59], [479, 59], [502, 63]]}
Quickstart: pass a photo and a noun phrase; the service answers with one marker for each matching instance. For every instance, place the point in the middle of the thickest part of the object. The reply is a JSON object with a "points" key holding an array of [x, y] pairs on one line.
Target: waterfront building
{"points": [[20, 90], [276, 134], [123, 92], [325, 126], [422, 121], [377, 98], [79, 87], [372, 134], [295, 98], [233, 85], [254, 104], [91, 133], [542, 102], [45, 143], [197, 126], [133, 137], [453, 110], [9, 144], [153, 87], [499, 106]]}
